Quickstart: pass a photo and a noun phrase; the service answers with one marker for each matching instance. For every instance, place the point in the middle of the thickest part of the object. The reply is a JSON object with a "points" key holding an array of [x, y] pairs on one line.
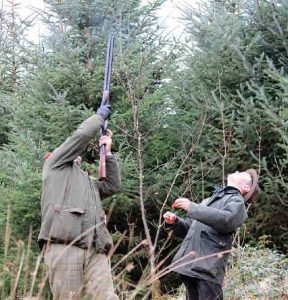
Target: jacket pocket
{"points": [[66, 223], [211, 260], [214, 241], [104, 242]]}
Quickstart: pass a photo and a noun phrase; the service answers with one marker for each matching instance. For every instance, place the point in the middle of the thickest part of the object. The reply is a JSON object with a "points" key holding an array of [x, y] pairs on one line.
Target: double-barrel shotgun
{"points": [[105, 100]]}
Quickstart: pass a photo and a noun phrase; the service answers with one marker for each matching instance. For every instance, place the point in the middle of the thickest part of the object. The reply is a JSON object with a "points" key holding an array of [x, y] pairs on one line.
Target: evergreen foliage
{"points": [[237, 74], [185, 114]]}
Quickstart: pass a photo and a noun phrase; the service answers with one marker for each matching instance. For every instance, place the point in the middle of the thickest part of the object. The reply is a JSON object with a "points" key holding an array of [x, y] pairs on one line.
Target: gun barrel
{"points": [[108, 69]]}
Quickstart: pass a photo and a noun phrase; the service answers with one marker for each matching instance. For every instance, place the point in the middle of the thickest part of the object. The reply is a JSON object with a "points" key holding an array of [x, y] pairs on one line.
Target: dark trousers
{"points": [[197, 289]]}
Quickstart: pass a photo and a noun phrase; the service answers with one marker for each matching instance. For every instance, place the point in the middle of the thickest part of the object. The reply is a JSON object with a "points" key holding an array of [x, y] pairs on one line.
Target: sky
{"points": [[27, 9], [168, 14]]}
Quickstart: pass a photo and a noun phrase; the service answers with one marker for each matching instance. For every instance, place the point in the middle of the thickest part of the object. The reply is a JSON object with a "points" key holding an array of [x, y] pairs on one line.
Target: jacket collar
{"points": [[219, 192], [231, 190]]}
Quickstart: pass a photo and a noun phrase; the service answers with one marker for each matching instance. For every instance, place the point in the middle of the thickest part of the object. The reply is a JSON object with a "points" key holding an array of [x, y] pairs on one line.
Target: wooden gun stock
{"points": [[102, 163]]}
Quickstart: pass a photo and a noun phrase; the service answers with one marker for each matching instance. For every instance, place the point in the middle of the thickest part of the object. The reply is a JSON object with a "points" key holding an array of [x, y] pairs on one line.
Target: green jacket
{"points": [[206, 231], [70, 203]]}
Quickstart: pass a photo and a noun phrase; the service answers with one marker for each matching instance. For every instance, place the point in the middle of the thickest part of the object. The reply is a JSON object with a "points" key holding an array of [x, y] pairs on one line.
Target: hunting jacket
{"points": [[206, 231], [70, 203]]}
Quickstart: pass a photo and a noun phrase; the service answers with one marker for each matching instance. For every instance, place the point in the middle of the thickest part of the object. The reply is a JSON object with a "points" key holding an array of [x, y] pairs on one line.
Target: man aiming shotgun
{"points": [[207, 234], [73, 234]]}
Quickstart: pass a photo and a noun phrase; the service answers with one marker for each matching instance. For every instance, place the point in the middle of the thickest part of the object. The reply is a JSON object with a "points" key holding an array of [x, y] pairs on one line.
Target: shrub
{"points": [[256, 273]]}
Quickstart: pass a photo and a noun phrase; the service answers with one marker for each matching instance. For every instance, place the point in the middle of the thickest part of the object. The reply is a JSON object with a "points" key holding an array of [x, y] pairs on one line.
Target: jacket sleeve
{"points": [[224, 220], [76, 144], [180, 227], [112, 184]]}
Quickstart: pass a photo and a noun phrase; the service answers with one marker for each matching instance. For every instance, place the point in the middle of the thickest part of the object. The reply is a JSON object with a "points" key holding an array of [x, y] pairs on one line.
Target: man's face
{"points": [[78, 160], [239, 179]]}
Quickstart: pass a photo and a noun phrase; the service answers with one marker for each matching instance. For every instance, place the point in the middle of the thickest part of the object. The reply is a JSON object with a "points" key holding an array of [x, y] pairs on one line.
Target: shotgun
{"points": [[105, 100]]}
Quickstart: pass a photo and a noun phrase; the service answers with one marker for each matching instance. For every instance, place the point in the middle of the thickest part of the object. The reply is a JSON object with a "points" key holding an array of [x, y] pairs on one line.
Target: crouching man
{"points": [[207, 234], [73, 234]]}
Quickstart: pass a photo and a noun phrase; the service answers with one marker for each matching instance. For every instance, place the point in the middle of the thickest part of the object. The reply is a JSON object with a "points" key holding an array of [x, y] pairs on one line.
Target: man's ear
{"points": [[246, 188]]}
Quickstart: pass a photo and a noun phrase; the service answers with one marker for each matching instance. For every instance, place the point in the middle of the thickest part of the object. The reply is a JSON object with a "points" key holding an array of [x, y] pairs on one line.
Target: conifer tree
{"points": [[235, 75], [55, 99]]}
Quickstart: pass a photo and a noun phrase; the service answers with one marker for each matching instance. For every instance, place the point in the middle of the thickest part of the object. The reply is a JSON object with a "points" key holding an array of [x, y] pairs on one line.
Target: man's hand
{"points": [[104, 111], [107, 140], [181, 203], [169, 217]]}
